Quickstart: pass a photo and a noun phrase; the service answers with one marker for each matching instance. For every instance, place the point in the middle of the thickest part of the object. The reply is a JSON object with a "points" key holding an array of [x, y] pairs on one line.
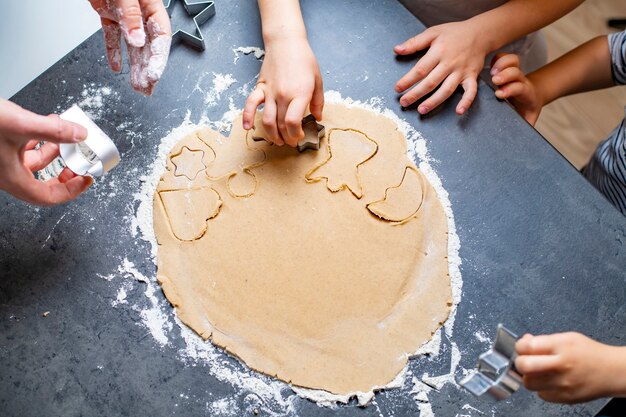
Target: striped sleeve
{"points": [[617, 47]]}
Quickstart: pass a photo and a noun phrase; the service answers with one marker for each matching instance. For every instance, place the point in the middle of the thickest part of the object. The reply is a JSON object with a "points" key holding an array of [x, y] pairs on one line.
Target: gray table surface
{"points": [[542, 250]]}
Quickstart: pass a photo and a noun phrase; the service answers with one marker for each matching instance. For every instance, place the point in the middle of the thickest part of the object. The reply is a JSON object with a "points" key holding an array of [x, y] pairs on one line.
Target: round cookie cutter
{"points": [[96, 155]]}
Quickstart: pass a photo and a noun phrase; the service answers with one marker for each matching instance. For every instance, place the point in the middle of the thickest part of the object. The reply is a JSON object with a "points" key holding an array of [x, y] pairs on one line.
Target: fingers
{"points": [[542, 382], [416, 43], [535, 345], [113, 43], [148, 63], [49, 193], [159, 52], [535, 364], [36, 159], [442, 94], [508, 75], [255, 99], [317, 101], [269, 122], [160, 34], [422, 68], [50, 128], [65, 175], [293, 120], [425, 86], [154, 10], [470, 89], [511, 90], [502, 61], [281, 108], [131, 22]]}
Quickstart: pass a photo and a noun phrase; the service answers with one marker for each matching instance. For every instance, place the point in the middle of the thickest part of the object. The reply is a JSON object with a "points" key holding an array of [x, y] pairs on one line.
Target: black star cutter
{"points": [[201, 11]]}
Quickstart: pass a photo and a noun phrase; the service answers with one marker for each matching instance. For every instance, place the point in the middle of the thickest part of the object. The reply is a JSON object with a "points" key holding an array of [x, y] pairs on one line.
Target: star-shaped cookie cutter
{"points": [[314, 142], [201, 11], [307, 142]]}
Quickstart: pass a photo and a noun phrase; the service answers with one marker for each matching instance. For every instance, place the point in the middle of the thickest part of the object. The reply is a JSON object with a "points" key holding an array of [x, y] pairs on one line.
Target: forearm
{"points": [[585, 68], [517, 18], [281, 18], [614, 372]]}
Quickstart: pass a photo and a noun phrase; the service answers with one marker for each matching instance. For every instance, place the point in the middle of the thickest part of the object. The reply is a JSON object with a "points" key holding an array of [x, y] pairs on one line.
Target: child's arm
{"points": [[290, 78], [586, 68], [571, 368], [457, 51]]}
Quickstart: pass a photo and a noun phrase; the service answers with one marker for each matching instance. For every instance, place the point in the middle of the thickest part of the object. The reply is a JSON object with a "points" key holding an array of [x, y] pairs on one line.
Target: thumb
{"points": [[131, 22]]}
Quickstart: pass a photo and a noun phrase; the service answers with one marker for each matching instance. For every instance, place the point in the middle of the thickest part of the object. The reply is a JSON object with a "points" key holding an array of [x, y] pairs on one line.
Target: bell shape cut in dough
{"points": [[346, 150], [301, 283], [188, 211], [401, 202]]}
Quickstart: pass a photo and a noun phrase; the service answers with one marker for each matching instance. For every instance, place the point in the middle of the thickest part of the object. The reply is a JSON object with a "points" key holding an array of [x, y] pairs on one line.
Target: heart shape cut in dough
{"points": [[326, 269]]}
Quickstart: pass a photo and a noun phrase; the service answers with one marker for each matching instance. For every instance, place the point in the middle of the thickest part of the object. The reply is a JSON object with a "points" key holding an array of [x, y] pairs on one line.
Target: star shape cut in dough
{"points": [[188, 163]]}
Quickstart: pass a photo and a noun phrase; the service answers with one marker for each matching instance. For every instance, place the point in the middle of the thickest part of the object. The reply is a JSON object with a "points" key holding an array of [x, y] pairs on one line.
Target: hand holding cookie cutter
{"points": [[96, 155], [311, 141], [496, 373]]}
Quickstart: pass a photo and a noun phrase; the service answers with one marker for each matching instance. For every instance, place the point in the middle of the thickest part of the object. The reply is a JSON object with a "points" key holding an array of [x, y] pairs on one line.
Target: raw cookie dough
{"points": [[326, 269]]}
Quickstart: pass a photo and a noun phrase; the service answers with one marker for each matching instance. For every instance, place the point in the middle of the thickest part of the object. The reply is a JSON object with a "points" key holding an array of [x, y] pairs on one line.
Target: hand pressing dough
{"points": [[321, 285]]}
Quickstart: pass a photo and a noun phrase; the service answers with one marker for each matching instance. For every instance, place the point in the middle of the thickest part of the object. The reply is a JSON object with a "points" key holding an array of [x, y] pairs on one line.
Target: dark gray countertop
{"points": [[542, 251]]}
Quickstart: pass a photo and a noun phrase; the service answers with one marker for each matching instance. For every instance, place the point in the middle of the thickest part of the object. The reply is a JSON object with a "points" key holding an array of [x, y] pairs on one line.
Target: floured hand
{"points": [[147, 32]]}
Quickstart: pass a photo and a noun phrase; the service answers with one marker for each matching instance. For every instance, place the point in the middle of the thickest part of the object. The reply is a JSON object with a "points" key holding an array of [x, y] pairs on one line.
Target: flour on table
{"points": [[273, 396], [221, 83], [248, 50], [94, 98]]}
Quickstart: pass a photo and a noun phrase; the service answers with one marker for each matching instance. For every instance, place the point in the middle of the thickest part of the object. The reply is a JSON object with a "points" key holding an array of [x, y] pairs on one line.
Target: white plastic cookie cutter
{"points": [[96, 155]]}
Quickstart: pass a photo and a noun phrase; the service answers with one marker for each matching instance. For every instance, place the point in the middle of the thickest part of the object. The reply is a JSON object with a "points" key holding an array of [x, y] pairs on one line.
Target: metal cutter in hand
{"points": [[496, 374]]}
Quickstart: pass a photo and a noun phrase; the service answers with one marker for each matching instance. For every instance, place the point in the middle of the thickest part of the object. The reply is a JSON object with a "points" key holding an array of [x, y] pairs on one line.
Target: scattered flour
{"points": [[274, 396], [154, 317], [93, 98], [121, 297], [482, 337], [247, 50], [221, 83], [469, 407]]}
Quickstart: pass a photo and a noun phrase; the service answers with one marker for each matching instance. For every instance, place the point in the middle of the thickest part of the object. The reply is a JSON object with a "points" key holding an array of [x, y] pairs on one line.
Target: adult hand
{"points": [[570, 367], [289, 82], [20, 132], [456, 55], [147, 32]]}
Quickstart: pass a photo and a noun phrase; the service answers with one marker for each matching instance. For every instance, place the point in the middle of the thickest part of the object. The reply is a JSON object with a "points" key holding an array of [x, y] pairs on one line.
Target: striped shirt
{"points": [[607, 168]]}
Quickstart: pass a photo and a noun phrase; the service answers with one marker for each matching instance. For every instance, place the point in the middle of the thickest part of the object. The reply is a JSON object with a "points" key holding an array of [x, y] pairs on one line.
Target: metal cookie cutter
{"points": [[96, 155], [311, 141], [201, 11], [496, 374]]}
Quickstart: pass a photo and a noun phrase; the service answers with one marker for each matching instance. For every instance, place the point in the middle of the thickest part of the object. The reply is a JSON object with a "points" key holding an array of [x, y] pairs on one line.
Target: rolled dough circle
{"points": [[324, 269]]}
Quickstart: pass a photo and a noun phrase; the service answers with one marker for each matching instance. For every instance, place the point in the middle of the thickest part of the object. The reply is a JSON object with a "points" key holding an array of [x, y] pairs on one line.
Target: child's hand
{"points": [[456, 55], [514, 85], [570, 367], [289, 82], [20, 132]]}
